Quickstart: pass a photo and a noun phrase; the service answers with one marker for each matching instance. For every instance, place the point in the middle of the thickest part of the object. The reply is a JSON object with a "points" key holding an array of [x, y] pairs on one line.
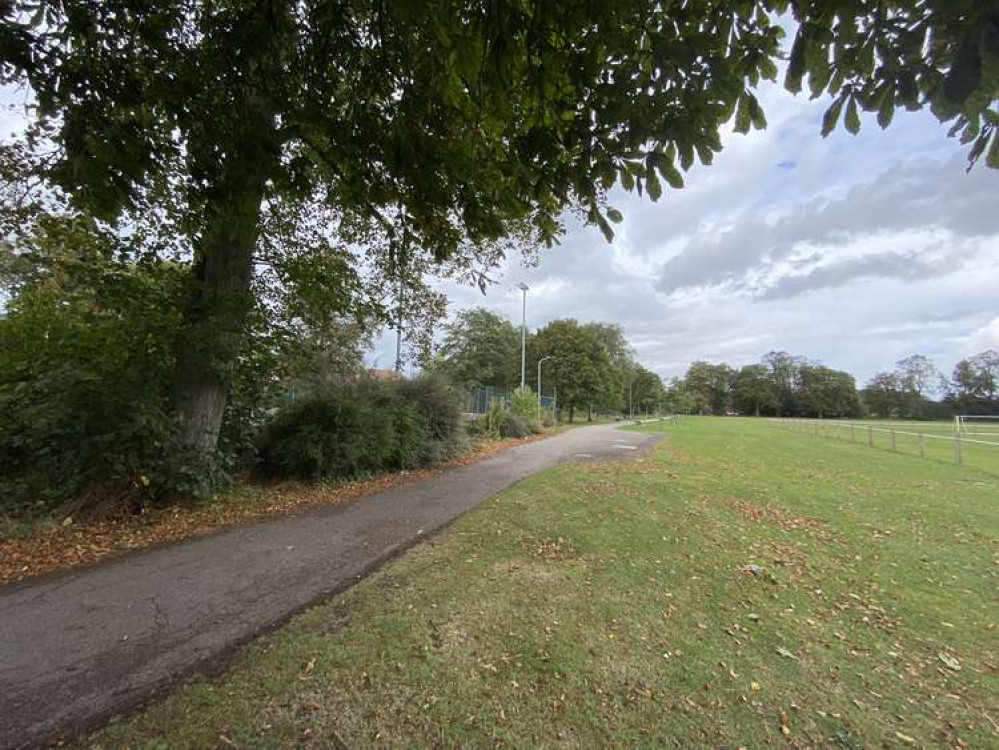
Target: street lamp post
{"points": [[523, 336], [543, 359]]}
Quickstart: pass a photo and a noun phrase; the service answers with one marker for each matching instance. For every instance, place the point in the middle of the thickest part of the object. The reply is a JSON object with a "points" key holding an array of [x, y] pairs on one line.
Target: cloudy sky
{"points": [[852, 250]]}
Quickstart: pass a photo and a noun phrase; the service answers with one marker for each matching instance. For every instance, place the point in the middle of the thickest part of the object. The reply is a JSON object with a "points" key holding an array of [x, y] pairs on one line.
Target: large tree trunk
{"points": [[216, 318], [236, 157]]}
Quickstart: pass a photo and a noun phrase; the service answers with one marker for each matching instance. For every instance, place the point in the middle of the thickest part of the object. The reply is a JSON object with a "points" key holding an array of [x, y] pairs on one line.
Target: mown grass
{"points": [[614, 606]]}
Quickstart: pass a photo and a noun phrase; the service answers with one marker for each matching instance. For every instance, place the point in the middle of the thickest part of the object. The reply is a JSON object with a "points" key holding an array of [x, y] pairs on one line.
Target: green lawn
{"points": [[612, 606]]}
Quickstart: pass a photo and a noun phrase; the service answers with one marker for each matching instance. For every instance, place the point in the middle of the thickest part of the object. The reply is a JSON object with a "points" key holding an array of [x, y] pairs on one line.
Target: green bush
{"points": [[357, 429], [524, 402], [410, 438], [506, 421], [515, 426], [332, 433], [439, 406], [86, 357], [478, 426], [493, 420]]}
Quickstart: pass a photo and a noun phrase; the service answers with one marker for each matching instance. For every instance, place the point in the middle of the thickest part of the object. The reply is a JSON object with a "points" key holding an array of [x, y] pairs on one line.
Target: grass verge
{"points": [[742, 586]]}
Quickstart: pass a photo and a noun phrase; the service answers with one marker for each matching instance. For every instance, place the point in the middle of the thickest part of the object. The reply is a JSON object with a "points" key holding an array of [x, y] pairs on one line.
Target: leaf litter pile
{"points": [[57, 546], [740, 587]]}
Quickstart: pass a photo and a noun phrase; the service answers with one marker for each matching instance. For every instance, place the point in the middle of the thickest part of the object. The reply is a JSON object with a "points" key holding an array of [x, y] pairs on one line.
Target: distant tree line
{"points": [[907, 391], [786, 385], [592, 366]]}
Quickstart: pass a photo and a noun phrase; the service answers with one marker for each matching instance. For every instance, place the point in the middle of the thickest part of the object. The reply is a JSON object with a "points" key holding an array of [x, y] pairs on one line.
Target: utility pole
{"points": [[523, 336], [400, 259]]}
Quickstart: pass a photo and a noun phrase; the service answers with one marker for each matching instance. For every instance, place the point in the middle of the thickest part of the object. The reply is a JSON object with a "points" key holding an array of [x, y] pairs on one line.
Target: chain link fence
{"points": [[481, 398]]}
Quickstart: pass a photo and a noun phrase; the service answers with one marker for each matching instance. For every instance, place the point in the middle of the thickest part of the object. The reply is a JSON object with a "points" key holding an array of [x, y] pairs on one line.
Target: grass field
{"points": [[743, 586]]}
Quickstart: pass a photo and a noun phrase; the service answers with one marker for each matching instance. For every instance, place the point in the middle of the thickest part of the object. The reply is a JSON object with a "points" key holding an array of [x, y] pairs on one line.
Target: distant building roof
{"points": [[384, 374]]}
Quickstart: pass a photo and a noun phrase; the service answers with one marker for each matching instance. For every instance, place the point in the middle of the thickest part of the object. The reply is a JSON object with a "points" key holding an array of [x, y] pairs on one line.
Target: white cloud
{"points": [[986, 337]]}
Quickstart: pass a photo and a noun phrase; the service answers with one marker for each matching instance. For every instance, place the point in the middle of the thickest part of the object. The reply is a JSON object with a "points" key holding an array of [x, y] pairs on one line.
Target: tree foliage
{"points": [[825, 392], [622, 371], [478, 347], [753, 390], [86, 355], [468, 115], [904, 392], [646, 389], [582, 369], [711, 386], [974, 384], [781, 385]]}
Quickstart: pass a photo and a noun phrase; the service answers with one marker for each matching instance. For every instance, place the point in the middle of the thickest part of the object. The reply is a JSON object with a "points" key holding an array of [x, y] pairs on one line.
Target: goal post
{"points": [[977, 424]]}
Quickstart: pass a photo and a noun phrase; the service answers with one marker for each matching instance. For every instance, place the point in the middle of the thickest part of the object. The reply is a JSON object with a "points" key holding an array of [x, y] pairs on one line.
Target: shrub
{"points": [[410, 441], [331, 433], [356, 429], [87, 358], [439, 406], [505, 421], [524, 403], [494, 417], [478, 426], [515, 426]]}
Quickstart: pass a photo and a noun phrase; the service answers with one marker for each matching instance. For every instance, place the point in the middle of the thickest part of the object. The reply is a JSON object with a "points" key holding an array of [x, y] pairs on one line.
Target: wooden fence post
{"points": [[892, 433], [922, 450], [958, 458]]}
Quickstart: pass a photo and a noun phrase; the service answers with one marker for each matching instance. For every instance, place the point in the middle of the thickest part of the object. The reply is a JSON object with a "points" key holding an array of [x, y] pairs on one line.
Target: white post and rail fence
{"points": [[934, 440]]}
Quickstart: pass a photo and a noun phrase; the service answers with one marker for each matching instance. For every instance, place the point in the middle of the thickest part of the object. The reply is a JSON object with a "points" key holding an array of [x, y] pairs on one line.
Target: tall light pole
{"points": [[543, 359], [523, 336]]}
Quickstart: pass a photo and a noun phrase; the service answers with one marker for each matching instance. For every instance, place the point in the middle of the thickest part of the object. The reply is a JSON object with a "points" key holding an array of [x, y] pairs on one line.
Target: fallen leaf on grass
{"points": [[307, 670], [786, 654], [950, 662]]}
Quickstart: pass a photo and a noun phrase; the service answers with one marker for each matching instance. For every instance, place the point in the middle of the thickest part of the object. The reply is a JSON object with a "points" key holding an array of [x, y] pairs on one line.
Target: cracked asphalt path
{"points": [[81, 646]]}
